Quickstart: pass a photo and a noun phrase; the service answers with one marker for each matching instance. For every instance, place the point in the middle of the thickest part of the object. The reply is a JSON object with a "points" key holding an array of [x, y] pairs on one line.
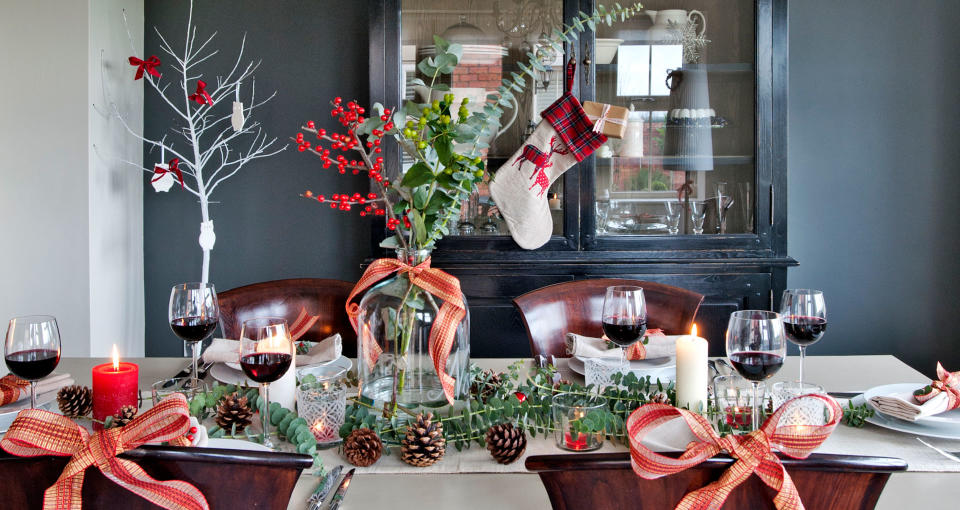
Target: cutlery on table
{"points": [[844, 394], [323, 488], [341, 491], [184, 372], [941, 452]]}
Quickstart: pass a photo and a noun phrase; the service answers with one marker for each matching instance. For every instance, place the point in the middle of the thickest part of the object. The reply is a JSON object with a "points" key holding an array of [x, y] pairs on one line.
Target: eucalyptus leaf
{"points": [[417, 175]]}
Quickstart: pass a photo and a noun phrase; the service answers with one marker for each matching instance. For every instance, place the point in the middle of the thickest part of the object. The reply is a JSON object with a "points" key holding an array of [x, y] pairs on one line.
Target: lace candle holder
{"points": [[322, 401], [599, 371], [569, 410]]}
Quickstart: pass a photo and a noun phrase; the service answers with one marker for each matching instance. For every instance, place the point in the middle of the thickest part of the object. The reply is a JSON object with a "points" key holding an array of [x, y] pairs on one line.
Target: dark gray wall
{"points": [[312, 51], [874, 173]]}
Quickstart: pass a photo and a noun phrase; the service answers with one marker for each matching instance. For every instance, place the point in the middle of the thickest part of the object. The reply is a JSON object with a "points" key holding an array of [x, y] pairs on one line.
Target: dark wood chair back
{"points": [[549, 313], [226, 478], [825, 482], [285, 298]]}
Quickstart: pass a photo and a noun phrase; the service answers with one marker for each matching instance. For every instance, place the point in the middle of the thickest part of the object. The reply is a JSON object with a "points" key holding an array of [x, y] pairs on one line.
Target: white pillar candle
{"points": [[692, 371], [284, 390]]}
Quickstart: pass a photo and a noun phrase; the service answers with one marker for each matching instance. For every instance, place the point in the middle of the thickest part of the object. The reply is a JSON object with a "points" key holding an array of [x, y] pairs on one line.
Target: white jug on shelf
{"points": [[632, 145], [661, 29]]}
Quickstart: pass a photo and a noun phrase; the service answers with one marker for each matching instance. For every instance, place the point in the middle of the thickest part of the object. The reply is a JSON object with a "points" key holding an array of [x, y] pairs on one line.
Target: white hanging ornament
{"points": [[237, 118], [207, 237], [163, 178]]}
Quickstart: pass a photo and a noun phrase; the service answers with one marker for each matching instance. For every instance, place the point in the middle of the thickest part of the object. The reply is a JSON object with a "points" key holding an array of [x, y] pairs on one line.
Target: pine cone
{"points": [[486, 385], [424, 443], [125, 416], [233, 410], [75, 401], [659, 398], [506, 442], [362, 447]]}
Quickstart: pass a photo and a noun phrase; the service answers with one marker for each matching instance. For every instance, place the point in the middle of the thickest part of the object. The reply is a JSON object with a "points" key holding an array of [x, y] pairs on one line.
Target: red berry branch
{"points": [[351, 117]]}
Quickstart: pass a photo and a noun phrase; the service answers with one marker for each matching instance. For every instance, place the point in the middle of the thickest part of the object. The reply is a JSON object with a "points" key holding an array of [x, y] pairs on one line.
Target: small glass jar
{"points": [[783, 391], [734, 397], [322, 401], [568, 410]]}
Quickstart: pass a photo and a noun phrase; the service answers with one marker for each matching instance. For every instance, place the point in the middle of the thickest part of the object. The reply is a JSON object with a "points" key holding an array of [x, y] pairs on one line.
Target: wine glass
{"points": [[266, 353], [194, 313], [756, 347], [698, 213], [32, 349], [624, 316], [804, 320]]}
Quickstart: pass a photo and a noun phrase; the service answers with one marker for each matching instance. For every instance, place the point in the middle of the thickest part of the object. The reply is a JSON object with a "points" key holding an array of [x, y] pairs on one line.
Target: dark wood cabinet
{"points": [[742, 265]]}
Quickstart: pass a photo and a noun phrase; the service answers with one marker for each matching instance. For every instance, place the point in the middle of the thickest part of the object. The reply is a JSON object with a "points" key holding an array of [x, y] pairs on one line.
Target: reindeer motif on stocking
{"points": [[541, 161]]}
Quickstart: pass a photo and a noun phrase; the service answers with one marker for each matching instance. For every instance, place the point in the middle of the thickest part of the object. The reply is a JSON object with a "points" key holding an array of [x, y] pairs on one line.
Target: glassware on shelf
{"points": [[603, 211], [724, 201], [194, 313], [266, 353], [468, 215], [32, 349], [745, 199], [323, 403], [756, 346], [804, 313], [674, 213], [568, 410], [698, 213]]}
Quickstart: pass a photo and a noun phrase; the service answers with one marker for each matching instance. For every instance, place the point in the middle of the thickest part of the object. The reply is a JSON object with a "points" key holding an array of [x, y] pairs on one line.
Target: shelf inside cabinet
{"points": [[652, 160], [733, 67]]}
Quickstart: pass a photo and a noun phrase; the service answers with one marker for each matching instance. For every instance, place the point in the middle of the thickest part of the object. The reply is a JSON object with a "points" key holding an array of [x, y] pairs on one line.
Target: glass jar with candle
{"points": [[734, 397], [322, 401], [569, 411]]}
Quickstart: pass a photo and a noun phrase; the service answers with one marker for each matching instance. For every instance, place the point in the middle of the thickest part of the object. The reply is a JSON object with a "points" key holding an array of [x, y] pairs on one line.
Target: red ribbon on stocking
{"points": [[201, 96], [754, 452], [149, 65], [172, 166]]}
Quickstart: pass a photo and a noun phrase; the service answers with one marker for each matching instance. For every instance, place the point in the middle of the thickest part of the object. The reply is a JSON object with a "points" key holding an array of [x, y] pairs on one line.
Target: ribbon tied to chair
{"points": [[443, 331], [201, 95], [947, 382], [36, 432], [754, 452], [149, 65]]}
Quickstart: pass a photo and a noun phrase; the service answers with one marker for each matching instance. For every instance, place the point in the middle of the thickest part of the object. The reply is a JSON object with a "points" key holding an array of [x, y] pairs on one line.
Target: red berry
{"points": [[372, 195], [308, 193], [362, 213], [377, 150], [355, 172], [520, 396], [333, 205], [310, 124], [322, 132], [193, 430], [335, 196], [337, 100], [321, 198], [189, 437], [301, 148], [360, 110]]}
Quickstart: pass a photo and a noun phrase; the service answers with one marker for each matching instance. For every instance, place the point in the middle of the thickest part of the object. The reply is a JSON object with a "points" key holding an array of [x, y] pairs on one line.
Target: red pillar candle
{"points": [[114, 385]]}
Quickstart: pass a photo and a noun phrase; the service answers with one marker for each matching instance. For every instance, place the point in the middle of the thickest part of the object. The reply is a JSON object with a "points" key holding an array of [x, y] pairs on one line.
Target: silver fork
{"points": [[938, 450]]}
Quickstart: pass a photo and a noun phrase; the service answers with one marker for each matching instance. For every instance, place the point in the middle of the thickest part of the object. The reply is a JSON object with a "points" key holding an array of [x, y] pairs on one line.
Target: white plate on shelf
{"points": [[664, 368], [9, 412], [929, 429], [951, 417], [236, 444]]}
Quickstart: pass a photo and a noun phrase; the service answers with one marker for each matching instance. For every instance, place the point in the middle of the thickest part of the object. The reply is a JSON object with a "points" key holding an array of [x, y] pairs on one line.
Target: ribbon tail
{"points": [[65, 494], [170, 494], [442, 334], [712, 497]]}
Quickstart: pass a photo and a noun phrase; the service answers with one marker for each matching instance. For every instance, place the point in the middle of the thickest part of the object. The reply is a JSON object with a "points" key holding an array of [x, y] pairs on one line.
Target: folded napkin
{"points": [[937, 397], [12, 388], [658, 346], [223, 350]]}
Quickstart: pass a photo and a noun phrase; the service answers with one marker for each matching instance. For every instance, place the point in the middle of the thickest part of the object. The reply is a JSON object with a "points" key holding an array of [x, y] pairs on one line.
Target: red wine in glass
{"points": [[624, 332], [804, 330], [266, 367], [33, 364], [193, 329], [756, 366]]}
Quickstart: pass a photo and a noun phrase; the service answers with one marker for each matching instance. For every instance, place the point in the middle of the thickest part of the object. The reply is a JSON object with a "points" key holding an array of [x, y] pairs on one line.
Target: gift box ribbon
{"points": [[149, 65], [753, 452], [10, 388], [600, 121], [37, 432], [947, 382], [435, 282]]}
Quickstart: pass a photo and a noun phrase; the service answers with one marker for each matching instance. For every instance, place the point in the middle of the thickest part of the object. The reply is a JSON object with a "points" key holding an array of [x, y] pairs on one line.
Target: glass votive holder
{"points": [[599, 371], [322, 401], [569, 410], [785, 390], [166, 387], [734, 398]]}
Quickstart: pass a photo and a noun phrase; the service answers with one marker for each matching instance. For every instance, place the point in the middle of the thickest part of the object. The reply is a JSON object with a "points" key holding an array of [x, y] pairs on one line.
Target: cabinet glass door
{"points": [[686, 164], [496, 35]]}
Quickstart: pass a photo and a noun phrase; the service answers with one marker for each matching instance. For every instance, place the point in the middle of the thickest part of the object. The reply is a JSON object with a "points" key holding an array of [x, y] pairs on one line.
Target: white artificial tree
{"points": [[211, 150]]}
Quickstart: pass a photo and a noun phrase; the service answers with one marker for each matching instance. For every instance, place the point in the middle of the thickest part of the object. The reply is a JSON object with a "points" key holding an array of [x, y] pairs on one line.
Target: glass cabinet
{"points": [[692, 195]]}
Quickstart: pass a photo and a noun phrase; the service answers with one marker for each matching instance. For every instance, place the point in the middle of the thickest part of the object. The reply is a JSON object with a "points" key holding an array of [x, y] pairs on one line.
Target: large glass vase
{"points": [[394, 320]]}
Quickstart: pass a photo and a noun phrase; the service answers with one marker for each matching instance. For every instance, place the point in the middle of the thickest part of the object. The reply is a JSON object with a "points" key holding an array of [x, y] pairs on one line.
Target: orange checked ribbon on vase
{"points": [[947, 382], [11, 387], [754, 452], [36, 433], [435, 282]]}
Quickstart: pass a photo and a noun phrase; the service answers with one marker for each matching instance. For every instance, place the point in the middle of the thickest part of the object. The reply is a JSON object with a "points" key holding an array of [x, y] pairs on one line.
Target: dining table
{"points": [[470, 479]]}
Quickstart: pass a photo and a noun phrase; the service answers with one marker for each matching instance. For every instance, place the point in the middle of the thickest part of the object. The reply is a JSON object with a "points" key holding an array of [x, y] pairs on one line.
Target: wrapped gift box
{"points": [[613, 123]]}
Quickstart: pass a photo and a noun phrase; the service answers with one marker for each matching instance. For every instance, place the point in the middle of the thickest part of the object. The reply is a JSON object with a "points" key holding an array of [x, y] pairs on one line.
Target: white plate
{"points": [[930, 429], [236, 444], [946, 418], [224, 373], [9, 411], [664, 368]]}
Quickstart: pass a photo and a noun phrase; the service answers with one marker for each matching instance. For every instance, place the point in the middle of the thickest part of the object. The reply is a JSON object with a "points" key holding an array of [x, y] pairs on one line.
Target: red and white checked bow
{"points": [[10, 388], [302, 324], [437, 283], [36, 433], [149, 65], [754, 452], [604, 117], [201, 96], [947, 382], [639, 351]]}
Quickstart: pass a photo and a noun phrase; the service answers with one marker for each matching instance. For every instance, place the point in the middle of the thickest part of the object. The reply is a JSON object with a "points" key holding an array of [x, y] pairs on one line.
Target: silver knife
{"points": [[323, 488], [341, 491], [184, 372]]}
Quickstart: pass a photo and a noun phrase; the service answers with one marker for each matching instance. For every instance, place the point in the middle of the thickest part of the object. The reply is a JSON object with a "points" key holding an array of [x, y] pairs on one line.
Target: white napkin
{"points": [[902, 405], [223, 350], [50, 383], [658, 346]]}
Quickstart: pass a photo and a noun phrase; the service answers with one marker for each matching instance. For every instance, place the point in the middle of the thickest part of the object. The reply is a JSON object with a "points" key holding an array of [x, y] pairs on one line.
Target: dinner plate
{"points": [[951, 418], [236, 444], [224, 373], [664, 368], [9, 411], [929, 429]]}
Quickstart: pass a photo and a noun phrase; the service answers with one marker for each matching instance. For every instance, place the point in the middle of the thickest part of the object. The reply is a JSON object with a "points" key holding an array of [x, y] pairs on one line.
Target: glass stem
{"points": [[33, 394], [265, 414], [194, 379], [803, 353], [756, 406]]}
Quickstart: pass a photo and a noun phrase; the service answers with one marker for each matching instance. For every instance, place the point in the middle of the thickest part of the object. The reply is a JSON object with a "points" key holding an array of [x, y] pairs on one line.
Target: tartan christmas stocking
{"points": [[563, 138]]}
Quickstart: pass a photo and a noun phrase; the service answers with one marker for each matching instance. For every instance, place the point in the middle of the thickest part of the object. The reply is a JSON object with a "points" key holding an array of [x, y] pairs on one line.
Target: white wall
{"points": [[66, 218]]}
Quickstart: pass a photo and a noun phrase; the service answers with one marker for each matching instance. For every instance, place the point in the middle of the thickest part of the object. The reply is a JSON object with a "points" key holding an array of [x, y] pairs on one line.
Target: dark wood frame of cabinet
{"points": [[733, 271]]}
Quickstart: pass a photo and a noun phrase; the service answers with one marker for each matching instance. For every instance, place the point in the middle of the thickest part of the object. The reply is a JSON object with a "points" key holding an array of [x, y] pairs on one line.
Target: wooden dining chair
{"points": [[285, 298], [825, 482], [549, 313]]}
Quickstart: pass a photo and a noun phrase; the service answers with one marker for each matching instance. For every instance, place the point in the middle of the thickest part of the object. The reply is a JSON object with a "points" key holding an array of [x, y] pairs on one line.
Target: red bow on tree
{"points": [[201, 96], [149, 65], [172, 166]]}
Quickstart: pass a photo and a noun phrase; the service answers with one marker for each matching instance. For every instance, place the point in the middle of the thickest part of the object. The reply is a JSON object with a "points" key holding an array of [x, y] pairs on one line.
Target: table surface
{"points": [[481, 483]]}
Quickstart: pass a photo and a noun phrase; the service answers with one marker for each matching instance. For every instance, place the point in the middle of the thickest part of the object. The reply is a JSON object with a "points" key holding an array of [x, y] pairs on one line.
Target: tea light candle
{"points": [[115, 385], [692, 371]]}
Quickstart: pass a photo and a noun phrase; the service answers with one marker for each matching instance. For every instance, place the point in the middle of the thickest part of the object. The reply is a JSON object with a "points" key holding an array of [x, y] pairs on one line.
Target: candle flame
{"points": [[116, 359], [318, 426], [693, 329]]}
